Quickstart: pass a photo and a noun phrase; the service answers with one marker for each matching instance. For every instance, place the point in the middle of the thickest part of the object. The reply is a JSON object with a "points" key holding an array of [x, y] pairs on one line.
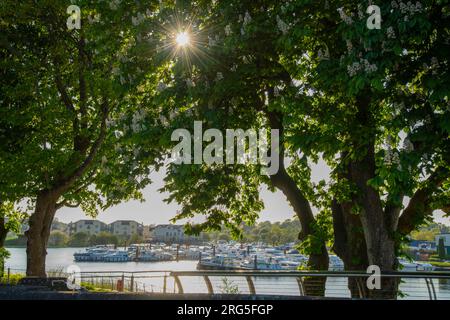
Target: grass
{"points": [[97, 288], [440, 264], [13, 279]]}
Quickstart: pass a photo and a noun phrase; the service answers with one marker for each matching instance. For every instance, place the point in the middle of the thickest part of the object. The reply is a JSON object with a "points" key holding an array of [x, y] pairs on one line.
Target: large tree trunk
{"points": [[350, 245], [318, 259], [376, 226], [39, 232]]}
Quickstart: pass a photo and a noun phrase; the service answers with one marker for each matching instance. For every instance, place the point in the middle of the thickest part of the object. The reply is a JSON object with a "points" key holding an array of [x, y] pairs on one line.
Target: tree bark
{"points": [[39, 232], [369, 228], [350, 245], [318, 259]]}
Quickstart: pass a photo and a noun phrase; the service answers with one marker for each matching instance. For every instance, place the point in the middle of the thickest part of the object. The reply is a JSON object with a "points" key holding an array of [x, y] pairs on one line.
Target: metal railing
{"points": [[407, 285]]}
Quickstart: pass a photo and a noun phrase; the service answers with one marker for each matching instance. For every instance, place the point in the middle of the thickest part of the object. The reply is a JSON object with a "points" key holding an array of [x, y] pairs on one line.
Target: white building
{"points": [[170, 233], [87, 226], [126, 228]]}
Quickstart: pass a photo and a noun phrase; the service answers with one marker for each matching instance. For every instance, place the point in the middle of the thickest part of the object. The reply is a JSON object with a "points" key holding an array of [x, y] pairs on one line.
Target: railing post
{"points": [[208, 284], [9, 274], [428, 288], [132, 282], [251, 286], [301, 288], [433, 290], [165, 284], [178, 283]]}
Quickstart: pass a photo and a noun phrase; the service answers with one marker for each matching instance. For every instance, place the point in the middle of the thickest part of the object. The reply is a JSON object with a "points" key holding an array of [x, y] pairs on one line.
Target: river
{"points": [[59, 259]]}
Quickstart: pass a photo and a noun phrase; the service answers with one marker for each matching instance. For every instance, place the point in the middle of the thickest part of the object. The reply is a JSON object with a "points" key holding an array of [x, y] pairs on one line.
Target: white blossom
{"points": [[109, 123], [161, 87], [282, 26], [211, 41], [247, 19], [349, 45], [190, 83], [163, 120], [348, 20], [228, 30], [219, 76], [114, 4], [118, 134], [408, 145], [390, 33]]}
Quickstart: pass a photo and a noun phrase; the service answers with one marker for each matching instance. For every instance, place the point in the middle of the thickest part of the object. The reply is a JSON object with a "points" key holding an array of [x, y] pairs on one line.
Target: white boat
{"points": [[336, 264], [289, 265], [117, 256], [217, 262], [93, 254], [260, 263], [413, 266]]}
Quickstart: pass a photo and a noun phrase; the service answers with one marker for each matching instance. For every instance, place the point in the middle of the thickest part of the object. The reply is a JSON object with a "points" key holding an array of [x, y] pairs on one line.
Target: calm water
{"points": [[58, 258], [61, 258]]}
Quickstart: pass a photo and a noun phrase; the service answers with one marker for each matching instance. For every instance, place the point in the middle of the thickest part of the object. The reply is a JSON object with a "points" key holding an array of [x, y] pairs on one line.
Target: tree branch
{"points": [[64, 184], [419, 206]]}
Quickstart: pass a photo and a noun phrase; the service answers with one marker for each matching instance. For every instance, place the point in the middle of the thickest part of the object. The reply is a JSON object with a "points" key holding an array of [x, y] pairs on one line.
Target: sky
{"points": [[155, 211]]}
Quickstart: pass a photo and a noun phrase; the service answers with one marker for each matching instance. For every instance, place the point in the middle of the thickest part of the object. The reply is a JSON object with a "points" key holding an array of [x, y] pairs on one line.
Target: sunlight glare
{"points": [[182, 39]]}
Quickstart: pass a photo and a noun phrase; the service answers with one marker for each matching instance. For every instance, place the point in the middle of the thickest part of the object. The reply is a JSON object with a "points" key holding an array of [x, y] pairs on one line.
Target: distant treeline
{"points": [[60, 239], [267, 232], [429, 231]]}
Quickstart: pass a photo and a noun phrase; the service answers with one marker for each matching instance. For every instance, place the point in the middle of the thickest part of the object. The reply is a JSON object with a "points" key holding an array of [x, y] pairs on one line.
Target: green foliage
{"points": [[428, 232], [12, 280], [66, 93], [12, 217], [276, 233], [57, 239], [228, 287], [103, 238], [79, 239]]}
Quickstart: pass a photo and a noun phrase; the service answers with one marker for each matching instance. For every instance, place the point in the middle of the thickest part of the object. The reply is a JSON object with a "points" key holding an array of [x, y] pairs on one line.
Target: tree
{"points": [[10, 221], [441, 249], [80, 83], [57, 239], [374, 91], [103, 238], [371, 103], [79, 239], [224, 83], [135, 238]]}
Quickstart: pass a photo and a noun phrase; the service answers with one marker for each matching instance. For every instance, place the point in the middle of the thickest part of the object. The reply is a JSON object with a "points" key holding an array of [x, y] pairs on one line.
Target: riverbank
{"points": [[42, 293]]}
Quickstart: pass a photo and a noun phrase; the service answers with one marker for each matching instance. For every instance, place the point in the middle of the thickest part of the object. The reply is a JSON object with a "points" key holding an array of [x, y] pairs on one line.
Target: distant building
{"points": [[87, 226], [126, 228], [170, 233], [422, 245], [446, 237]]}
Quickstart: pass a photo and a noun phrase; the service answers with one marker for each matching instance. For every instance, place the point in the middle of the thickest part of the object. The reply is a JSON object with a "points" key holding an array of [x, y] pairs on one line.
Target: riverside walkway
{"points": [[242, 284]]}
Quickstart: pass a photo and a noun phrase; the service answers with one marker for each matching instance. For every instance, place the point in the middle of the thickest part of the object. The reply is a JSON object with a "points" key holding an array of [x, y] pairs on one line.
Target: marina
{"points": [[221, 256], [158, 276]]}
